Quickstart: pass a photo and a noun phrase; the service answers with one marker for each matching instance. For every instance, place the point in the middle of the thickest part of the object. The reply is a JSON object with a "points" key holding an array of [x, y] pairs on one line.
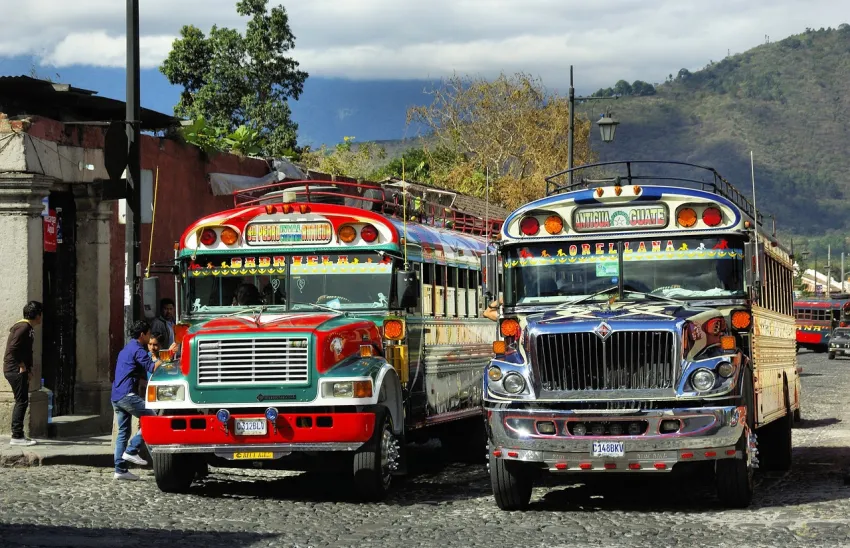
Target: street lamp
{"points": [[606, 125]]}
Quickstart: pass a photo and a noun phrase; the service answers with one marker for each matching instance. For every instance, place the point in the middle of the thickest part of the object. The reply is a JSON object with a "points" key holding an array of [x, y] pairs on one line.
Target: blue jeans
{"points": [[126, 408]]}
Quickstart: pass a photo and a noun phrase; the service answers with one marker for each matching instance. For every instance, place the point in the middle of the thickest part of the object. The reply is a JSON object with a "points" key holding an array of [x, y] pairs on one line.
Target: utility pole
{"points": [[133, 115], [842, 272], [828, 270], [571, 128]]}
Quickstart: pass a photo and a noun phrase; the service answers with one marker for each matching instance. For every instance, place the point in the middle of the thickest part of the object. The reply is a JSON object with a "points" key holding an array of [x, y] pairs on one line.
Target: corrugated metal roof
{"points": [[23, 95]]}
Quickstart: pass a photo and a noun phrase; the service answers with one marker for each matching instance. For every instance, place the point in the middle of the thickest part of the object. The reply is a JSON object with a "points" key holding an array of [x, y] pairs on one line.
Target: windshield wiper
{"points": [[588, 297], [321, 307], [658, 297], [259, 309]]}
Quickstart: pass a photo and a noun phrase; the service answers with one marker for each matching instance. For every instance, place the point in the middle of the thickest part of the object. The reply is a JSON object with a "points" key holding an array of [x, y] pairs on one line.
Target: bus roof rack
{"points": [[711, 180], [387, 199]]}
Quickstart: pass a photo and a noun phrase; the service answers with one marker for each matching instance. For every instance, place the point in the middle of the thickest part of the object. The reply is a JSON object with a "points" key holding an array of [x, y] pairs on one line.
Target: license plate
{"points": [[251, 427], [253, 456], [608, 449]]}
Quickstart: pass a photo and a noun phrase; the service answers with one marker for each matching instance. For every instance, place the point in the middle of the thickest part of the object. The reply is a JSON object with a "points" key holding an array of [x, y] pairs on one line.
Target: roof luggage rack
{"points": [[712, 181], [385, 199]]}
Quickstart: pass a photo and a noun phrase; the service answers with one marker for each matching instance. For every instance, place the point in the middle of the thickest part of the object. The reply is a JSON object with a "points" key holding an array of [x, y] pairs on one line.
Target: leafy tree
{"points": [[511, 127], [641, 88], [234, 80], [345, 159], [622, 88]]}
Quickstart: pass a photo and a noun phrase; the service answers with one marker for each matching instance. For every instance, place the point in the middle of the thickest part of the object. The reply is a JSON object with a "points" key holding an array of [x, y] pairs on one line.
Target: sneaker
{"points": [[26, 442], [135, 459], [125, 476]]}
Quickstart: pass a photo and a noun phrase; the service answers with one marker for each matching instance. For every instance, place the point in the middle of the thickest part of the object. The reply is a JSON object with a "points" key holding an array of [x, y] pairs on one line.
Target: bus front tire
{"points": [[512, 482], [375, 461], [734, 477], [174, 473]]}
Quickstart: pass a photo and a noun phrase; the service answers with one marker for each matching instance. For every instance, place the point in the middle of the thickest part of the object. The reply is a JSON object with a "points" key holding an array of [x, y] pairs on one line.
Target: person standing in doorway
{"points": [[134, 364], [163, 325], [17, 367]]}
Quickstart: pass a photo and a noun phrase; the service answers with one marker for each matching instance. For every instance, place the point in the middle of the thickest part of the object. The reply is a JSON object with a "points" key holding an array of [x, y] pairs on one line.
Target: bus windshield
{"points": [[226, 284], [680, 268]]}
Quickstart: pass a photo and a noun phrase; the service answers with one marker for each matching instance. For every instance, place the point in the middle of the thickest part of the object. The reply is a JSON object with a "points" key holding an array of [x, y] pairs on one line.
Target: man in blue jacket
{"points": [[134, 363]]}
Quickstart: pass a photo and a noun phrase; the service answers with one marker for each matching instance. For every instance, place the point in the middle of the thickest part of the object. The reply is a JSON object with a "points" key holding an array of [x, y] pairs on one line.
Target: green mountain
{"points": [[787, 101]]}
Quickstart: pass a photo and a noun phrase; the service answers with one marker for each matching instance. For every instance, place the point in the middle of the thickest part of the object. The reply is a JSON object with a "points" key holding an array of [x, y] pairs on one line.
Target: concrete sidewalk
{"points": [[82, 451]]}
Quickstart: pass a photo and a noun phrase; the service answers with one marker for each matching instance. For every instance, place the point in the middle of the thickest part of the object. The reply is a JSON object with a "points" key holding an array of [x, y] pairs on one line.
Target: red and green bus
{"points": [[818, 317]]}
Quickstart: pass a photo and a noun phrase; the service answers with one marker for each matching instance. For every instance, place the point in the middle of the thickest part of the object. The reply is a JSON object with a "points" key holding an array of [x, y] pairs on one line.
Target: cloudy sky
{"points": [[406, 39]]}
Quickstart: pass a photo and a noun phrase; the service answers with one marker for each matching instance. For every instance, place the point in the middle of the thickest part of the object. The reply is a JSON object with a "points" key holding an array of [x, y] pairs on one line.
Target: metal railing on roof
{"points": [[717, 183], [386, 200]]}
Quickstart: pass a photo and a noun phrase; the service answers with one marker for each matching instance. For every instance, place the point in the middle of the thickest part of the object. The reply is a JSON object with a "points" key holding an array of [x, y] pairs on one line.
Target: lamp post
{"points": [[607, 125]]}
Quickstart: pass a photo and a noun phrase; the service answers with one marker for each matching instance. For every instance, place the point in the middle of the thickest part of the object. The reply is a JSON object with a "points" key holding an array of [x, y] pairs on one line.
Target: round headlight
{"points": [[725, 370], [513, 383], [494, 373], [702, 379]]}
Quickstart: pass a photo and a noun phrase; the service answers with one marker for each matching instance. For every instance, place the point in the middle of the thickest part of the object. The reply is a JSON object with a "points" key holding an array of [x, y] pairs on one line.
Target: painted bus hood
{"points": [[315, 326], [619, 313]]}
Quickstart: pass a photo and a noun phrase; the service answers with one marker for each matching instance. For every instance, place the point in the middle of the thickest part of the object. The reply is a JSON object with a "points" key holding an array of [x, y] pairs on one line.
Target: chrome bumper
{"points": [[706, 433]]}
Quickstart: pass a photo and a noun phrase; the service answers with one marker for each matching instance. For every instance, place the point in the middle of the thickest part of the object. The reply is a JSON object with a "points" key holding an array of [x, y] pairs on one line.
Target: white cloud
{"points": [[605, 39]]}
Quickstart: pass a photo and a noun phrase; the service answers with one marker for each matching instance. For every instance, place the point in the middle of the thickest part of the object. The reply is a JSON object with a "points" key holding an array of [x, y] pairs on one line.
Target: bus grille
{"points": [[626, 360], [266, 360]]}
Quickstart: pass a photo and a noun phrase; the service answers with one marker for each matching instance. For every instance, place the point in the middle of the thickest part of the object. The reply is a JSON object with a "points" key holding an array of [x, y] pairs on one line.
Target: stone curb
{"points": [[29, 458]]}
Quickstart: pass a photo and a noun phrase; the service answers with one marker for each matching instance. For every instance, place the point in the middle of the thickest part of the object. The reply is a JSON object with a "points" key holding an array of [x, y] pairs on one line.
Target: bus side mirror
{"points": [[407, 288], [490, 273], [753, 267]]}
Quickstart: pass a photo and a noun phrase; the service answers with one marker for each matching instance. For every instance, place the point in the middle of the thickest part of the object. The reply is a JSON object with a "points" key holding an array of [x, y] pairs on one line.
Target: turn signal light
{"points": [[727, 342], [366, 351], [499, 348], [686, 217], [394, 330], [347, 234], [208, 236], [712, 216], [529, 226], [741, 319], [362, 389], [229, 236], [369, 233], [151, 393], [509, 327], [554, 224]]}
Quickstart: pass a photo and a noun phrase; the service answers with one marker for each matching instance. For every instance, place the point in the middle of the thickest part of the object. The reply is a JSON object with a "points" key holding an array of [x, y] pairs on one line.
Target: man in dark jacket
{"points": [[163, 325], [17, 367]]}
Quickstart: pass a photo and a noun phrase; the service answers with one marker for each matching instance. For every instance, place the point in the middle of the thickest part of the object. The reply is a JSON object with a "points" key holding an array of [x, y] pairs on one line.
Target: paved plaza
{"points": [[445, 504]]}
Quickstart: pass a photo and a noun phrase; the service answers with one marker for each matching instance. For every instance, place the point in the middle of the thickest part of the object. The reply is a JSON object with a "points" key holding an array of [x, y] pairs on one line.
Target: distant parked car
{"points": [[839, 343]]}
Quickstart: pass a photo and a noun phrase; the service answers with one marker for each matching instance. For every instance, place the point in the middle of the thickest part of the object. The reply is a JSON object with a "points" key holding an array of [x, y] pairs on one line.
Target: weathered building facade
{"points": [[63, 245]]}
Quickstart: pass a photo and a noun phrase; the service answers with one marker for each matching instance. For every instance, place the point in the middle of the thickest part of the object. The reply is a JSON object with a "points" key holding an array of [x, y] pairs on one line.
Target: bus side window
{"points": [[472, 294], [462, 298], [440, 290], [451, 292], [428, 289]]}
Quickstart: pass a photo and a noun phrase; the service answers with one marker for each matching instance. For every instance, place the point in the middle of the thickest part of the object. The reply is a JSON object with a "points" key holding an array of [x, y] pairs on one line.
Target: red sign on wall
{"points": [[49, 224]]}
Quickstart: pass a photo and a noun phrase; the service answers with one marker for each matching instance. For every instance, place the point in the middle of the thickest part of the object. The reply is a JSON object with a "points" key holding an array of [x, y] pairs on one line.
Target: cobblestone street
{"points": [[448, 504]]}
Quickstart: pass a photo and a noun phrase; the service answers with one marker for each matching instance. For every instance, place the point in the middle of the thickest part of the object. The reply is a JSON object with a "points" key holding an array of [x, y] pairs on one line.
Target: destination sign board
{"points": [[272, 234], [636, 217]]}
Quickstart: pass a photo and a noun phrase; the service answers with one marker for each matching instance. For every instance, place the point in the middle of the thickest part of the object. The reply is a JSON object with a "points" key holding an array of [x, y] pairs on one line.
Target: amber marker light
{"points": [[509, 327], [498, 348], [394, 330], [229, 236], [347, 234], [686, 217], [554, 224], [741, 319], [727, 342]]}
